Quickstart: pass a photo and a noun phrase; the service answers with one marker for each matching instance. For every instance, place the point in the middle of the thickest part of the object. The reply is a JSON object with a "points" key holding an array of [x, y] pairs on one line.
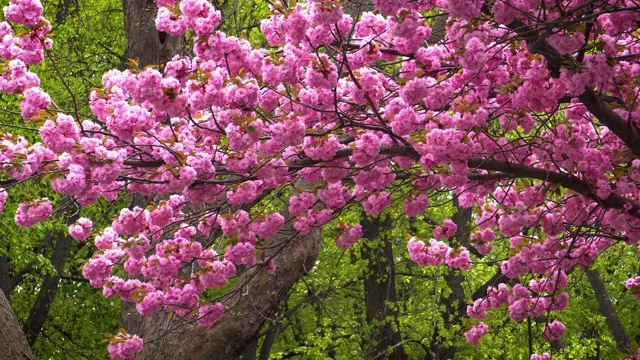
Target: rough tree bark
{"points": [[145, 44], [13, 343], [380, 290]]}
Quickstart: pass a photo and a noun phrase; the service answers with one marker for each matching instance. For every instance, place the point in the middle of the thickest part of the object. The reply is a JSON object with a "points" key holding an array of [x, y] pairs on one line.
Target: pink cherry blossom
{"points": [[3, 198], [373, 113], [124, 346], [209, 314], [554, 330], [29, 214], [476, 333], [544, 356], [81, 229]]}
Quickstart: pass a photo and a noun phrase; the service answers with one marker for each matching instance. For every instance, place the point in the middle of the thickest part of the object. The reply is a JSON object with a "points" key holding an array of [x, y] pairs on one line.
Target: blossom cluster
{"points": [[474, 334], [438, 252], [124, 346], [29, 214]]}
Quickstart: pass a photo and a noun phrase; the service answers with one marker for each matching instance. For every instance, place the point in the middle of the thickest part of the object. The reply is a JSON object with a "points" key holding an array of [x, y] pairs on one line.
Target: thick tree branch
{"points": [[610, 119], [5, 278], [17, 277], [380, 290], [537, 44], [505, 170], [567, 181], [249, 303]]}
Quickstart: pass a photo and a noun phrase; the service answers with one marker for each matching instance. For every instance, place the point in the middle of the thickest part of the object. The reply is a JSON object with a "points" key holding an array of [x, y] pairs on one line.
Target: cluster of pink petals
{"points": [[31, 213], [474, 334], [544, 356], [349, 236], [198, 15], [634, 286], [438, 252], [554, 330], [3, 198], [124, 346], [81, 229]]}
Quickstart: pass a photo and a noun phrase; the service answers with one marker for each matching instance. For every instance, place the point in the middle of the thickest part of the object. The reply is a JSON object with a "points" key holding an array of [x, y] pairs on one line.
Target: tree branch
{"points": [[609, 311], [567, 181]]}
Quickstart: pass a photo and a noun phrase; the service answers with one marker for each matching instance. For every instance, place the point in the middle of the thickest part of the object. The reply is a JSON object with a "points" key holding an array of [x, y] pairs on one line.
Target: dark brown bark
{"points": [[609, 312], [380, 291], [145, 44], [9, 282], [63, 10], [13, 343], [48, 288], [267, 343], [251, 351], [5, 278]]}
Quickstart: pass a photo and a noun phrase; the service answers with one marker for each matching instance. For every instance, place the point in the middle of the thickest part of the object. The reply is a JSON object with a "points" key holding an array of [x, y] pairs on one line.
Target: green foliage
{"points": [[326, 313], [242, 19], [89, 40]]}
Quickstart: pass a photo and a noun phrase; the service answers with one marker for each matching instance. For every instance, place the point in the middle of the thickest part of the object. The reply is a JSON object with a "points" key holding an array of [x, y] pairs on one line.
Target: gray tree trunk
{"points": [[145, 44], [13, 343]]}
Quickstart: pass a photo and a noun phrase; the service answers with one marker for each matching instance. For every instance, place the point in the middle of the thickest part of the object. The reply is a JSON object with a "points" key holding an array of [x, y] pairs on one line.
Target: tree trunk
{"points": [[13, 343], [255, 294], [49, 286], [5, 278], [380, 290], [145, 44], [454, 303]]}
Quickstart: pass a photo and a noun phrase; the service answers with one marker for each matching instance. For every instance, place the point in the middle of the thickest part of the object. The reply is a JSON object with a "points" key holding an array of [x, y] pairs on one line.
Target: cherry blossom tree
{"points": [[525, 111]]}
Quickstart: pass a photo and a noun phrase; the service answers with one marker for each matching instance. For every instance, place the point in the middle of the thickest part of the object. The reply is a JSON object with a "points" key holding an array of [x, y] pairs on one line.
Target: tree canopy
{"points": [[498, 142]]}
